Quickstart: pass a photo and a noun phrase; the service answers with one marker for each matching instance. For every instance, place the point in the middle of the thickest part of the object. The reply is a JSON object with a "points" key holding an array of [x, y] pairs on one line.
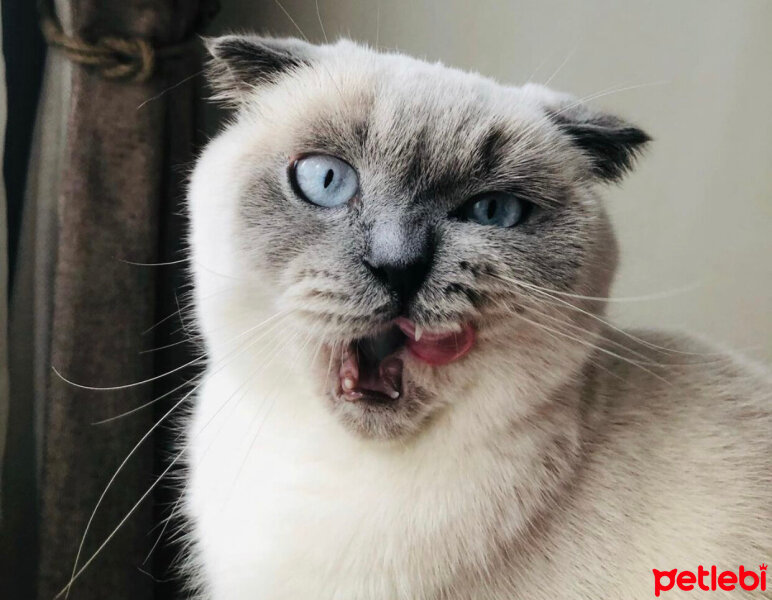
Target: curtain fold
{"points": [[30, 327], [104, 189], [4, 391]]}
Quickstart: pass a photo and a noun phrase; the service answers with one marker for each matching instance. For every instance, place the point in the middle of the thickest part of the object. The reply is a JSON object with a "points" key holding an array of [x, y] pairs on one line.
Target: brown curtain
{"points": [[129, 139]]}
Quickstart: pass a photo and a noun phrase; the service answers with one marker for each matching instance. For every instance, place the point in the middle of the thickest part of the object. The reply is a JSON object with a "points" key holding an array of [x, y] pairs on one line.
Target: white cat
{"points": [[412, 391]]}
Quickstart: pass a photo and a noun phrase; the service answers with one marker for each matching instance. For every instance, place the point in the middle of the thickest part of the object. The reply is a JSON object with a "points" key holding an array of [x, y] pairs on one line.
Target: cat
{"points": [[412, 392]]}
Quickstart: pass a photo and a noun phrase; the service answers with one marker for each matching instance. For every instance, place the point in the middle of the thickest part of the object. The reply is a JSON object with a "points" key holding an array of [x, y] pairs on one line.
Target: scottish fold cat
{"points": [[412, 392]]}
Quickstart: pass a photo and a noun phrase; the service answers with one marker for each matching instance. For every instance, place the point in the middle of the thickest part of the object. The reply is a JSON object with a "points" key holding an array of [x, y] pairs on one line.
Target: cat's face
{"points": [[411, 217]]}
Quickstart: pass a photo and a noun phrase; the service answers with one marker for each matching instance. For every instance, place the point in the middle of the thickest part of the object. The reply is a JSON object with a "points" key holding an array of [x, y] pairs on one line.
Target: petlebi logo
{"points": [[710, 579]]}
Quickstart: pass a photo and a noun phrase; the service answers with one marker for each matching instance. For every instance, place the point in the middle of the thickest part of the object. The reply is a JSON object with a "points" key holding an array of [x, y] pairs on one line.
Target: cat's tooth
{"points": [[394, 394], [419, 331], [348, 374], [455, 327]]}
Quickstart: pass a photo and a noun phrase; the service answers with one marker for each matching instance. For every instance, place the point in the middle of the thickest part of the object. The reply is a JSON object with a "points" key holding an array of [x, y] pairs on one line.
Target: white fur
{"points": [[286, 503]]}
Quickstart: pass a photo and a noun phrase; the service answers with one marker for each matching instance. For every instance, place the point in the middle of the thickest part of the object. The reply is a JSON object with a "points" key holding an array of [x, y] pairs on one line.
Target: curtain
{"points": [[113, 140], [3, 283]]}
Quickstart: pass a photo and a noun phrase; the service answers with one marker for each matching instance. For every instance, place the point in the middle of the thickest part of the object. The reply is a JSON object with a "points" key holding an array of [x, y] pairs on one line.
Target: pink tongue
{"points": [[437, 349]]}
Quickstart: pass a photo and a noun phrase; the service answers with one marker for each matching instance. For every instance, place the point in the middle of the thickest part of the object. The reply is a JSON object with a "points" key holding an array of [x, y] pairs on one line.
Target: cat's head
{"points": [[435, 237]]}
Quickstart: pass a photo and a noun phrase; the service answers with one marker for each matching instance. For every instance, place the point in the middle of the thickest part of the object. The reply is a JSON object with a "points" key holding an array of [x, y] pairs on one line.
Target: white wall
{"points": [[698, 212]]}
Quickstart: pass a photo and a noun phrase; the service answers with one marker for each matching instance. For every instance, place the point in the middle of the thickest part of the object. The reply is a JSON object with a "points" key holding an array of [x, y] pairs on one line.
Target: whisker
{"points": [[182, 318], [594, 362], [155, 377], [582, 330], [544, 292], [319, 17], [599, 348], [560, 67], [533, 127], [206, 451], [178, 312], [170, 88], [377, 24], [538, 68], [162, 321], [289, 16], [254, 419], [262, 335], [145, 404], [76, 574], [166, 346], [174, 407], [128, 385], [159, 264]]}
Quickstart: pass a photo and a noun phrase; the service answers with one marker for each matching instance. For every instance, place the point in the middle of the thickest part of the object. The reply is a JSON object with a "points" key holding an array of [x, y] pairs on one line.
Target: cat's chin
{"points": [[369, 383]]}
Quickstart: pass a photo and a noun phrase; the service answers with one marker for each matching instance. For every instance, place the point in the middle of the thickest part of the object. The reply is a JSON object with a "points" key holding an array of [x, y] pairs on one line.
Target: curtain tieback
{"points": [[122, 58]]}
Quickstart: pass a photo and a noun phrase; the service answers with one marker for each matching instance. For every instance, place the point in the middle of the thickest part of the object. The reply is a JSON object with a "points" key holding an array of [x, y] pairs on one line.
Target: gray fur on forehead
{"points": [[428, 111]]}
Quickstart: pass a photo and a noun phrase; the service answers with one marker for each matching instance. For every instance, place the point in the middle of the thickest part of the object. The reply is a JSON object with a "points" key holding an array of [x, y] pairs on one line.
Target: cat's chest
{"points": [[283, 507]]}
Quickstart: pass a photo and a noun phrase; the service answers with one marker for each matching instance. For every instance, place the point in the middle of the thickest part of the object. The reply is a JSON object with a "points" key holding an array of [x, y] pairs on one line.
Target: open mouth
{"points": [[371, 367]]}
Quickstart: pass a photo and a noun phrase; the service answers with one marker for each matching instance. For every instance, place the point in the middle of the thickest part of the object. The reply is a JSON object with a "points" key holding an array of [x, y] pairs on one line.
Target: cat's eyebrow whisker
{"points": [[170, 88], [614, 90], [536, 125], [321, 24], [538, 68], [560, 67], [377, 24], [289, 16]]}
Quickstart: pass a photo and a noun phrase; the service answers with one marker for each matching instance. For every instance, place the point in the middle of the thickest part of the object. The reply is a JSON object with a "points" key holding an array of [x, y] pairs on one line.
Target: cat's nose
{"points": [[403, 278], [400, 254]]}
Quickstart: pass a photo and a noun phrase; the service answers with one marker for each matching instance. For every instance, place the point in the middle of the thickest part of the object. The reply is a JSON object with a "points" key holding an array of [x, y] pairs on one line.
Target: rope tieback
{"points": [[120, 58]]}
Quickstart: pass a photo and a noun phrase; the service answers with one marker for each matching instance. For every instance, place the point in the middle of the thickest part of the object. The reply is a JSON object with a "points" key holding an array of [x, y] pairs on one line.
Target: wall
{"points": [[695, 220]]}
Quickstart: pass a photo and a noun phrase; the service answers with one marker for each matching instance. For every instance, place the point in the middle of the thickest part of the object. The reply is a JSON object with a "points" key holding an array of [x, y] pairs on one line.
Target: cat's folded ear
{"points": [[611, 144], [240, 64]]}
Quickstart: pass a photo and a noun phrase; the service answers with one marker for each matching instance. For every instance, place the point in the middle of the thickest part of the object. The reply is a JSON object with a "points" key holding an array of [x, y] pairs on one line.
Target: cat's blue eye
{"points": [[324, 180], [498, 209]]}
